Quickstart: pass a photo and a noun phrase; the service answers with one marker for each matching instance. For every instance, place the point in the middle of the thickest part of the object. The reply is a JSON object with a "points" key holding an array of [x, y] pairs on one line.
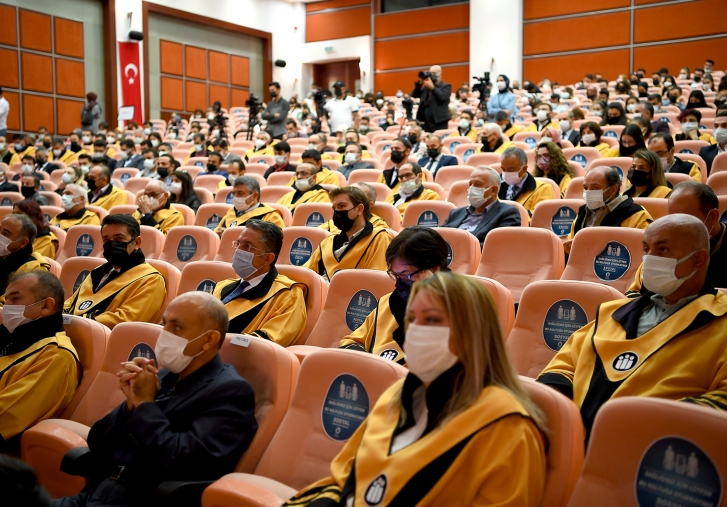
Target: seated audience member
{"points": [[247, 206], [190, 420], [435, 159], [30, 188], [5, 185], [319, 142], [568, 132], [551, 163], [150, 164], [99, 155], [466, 125], [542, 111], [155, 210], [7, 155], [74, 204], [375, 220], [222, 147], [40, 366], [17, 235], [235, 169], [491, 139], [647, 176], [696, 99], [85, 164], [411, 188], [604, 206], [262, 302], [46, 242], [20, 484], [323, 175], [631, 140], [591, 134], [23, 146], [416, 253], [454, 351], [306, 188], [358, 245], [550, 135], [262, 145], [101, 192], [291, 129], [41, 161], [281, 151], [503, 120], [615, 115], [400, 151], [199, 148], [73, 175], [678, 326], [165, 165], [27, 167], [352, 160], [485, 211], [214, 164], [182, 191], [708, 153], [126, 288], [700, 201], [691, 120], [129, 157], [417, 139], [646, 110], [519, 184]]}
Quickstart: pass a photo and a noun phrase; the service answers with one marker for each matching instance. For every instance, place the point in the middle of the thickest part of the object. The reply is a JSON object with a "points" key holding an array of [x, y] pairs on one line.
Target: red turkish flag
{"points": [[130, 77]]}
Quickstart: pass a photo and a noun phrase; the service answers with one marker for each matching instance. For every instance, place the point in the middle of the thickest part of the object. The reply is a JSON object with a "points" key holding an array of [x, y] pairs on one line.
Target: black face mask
{"points": [[403, 288], [27, 191], [46, 145], [163, 172], [614, 120], [341, 220], [338, 92], [75, 147], [638, 178], [211, 168], [627, 151], [412, 139], [397, 156], [116, 253], [656, 81], [273, 94], [432, 153], [39, 161], [91, 185]]}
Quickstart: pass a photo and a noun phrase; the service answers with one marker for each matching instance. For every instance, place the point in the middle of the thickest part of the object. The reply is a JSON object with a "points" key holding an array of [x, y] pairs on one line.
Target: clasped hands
{"points": [[139, 381]]}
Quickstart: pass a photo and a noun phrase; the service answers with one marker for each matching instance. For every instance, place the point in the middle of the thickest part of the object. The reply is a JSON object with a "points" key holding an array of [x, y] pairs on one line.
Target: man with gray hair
{"points": [[155, 210], [247, 206], [17, 233], [485, 211], [74, 204], [605, 206], [670, 343], [491, 139], [519, 185]]}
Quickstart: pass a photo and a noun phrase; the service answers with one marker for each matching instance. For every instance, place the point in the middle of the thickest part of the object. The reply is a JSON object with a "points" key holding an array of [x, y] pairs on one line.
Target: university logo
{"points": [[86, 304], [389, 354], [376, 490], [625, 361]]}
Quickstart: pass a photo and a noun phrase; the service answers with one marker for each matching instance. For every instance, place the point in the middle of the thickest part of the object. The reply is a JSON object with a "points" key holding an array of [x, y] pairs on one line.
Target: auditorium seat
{"points": [[60, 235], [436, 187], [100, 212], [553, 185], [205, 196], [426, 213], [464, 249], [316, 293], [189, 243], [312, 214], [716, 181], [575, 189], [81, 241], [75, 269], [284, 213], [364, 175], [688, 147], [198, 161], [548, 313], [458, 194], [255, 168], [262, 159], [224, 195], [388, 213], [282, 179], [524, 214], [464, 151], [273, 193], [614, 253], [486, 159], [700, 162], [10, 198], [299, 243], [719, 164], [208, 181], [210, 215], [51, 211], [123, 209], [333, 165], [448, 175], [136, 184], [655, 206], [676, 178], [305, 444], [203, 275], [226, 250], [172, 275], [187, 213], [518, 256], [649, 451], [55, 268], [556, 215], [583, 155], [124, 173], [152, 242], [503, 302]]}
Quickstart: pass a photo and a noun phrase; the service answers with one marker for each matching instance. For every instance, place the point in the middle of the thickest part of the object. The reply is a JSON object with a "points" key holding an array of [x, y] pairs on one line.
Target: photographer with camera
{"points": [[433, 95], [276, 113], [342, 110], [503, 100]]}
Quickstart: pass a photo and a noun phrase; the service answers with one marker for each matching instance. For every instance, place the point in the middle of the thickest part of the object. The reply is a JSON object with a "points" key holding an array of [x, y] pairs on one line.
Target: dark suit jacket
{"points": [[435, 100], [499, 215], [574, 137], [708, 153], [660, 127], [445, 160], [135, 161], [194, 430], [48, 167]]}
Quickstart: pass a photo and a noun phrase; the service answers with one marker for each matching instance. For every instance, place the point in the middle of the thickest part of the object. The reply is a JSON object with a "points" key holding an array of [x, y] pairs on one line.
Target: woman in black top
{"points": [[182, 191]]}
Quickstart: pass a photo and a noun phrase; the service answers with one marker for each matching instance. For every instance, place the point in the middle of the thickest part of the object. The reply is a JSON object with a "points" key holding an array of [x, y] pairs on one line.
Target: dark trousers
{"points": [[431, 127], [109, 493], [279, 137]]}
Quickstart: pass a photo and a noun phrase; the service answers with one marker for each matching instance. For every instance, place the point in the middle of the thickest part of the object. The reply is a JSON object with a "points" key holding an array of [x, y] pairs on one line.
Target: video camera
{"points": [[426, 75], [408, 105], [483, 85], [253, 104]]}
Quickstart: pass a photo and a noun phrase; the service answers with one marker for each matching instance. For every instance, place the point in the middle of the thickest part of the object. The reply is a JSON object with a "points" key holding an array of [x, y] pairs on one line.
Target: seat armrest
{"points": [[78, 461], [302, 351], [247, 490], [181, 493]]}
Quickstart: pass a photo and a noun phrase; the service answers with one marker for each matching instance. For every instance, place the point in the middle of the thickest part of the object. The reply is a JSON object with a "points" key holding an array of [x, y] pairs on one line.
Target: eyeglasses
{"points": [[401, 276], [244, 247]]}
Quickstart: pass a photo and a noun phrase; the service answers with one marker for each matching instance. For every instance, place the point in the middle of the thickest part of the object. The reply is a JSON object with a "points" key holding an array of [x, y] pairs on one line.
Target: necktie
{"points": [[106, 279], [237, 292], [431, 164]]}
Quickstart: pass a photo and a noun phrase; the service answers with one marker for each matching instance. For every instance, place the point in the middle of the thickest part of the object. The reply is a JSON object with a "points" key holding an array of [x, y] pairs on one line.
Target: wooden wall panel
{"points": [[195, 62], [240, 70], [38, 112], [219, 67], [196, 95], [68, 114], [682, 54], [9, 66], [448, 17], [221, 93], [172, 93], [571, 68], [422, 51], [68, 37], [8, 28], [35, 31], [338, 24], [568, 34], [238, 97], [333, 4], [13, 99], [70, 78], [692, 19], [170, 58], [37, 72], [535, 9], [389, 82]]}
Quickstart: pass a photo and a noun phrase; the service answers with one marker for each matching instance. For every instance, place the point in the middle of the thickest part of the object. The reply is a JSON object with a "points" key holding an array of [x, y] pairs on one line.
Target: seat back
{"points": [[299, 243], [81, 241], [549, 312], [532, 254], [187, 213], [75, 270], [655, 206], [716, 181], [464, 250], [447, 175], [124, 173], [316, 293], [203, 275], [336, 389], [272, 372], [284, 213], [719, 164], [60, 234], [556, 215], [436, 187], [553, 185], [210, 215], [136, 183], [482, 159], [675, 451], [312, 214], [205, 196], [281, 179], [689, 147], [575, 189], [583, 155], [464, 151], [172, 276], [352, 295], [152, 242], [700, 162], [123, 209], [273, 193], [187, 243], [676, 178], [458, 194], [100, 212], [262, 159], [388, 213], [503, 302], [50, 212], [208, 181], [427, 213], [530, 138], [55, 267], [53, 198], [609, 255], [226, 250], [364, 175], [524, 215]]}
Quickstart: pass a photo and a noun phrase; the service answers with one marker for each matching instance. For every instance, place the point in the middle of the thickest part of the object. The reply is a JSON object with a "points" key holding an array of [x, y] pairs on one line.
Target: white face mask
{"points": [[664, 162], [588, 138], [350, 158], [4, 243], [597, 113], [242, 264], [67, 201], [148, 163], [312, 146], [658, 274], [511, 178], [594, 198], [85, 169], [124, 154], [86, 140], [546, 139], [172, 135], [690, 125], [162, 153], [2, 148], [464, 124], [211, 116], [147, 131], [408, 187], [27, 169], [14, 316], [303, 185], [155, 205], [241, 204], [169, 351], [564, 125], [215, 133], [260, 143], [476, 196], [279, 159], [138, 140], [542, 115], [501, 85], [154, 143], [198, 147], [427, 351], [720, 134], [631, 108], [176, 187], [111, 141]]}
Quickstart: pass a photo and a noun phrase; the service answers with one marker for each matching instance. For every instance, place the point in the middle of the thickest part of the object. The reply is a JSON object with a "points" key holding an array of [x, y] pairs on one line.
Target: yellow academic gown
{"points": [[683, 358], [533, 127], [514, 129], [83, 217], [234, 218], [66, 157], [531, 193], [268, 150], [339, 158], [111, 197], [163, 219], [293, 199], [422, 194], [26, 260], [498, 149], [375, 220], [491, 454], [38, 380], [365, 251], [46, 245], [660, 191], [136, 295], [273, 310], [323, 177]]}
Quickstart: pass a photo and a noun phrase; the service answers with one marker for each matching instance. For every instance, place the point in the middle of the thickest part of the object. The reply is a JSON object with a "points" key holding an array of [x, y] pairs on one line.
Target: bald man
{"points": [[669, 343], [375, 220], [155, 210], [433, 95]]}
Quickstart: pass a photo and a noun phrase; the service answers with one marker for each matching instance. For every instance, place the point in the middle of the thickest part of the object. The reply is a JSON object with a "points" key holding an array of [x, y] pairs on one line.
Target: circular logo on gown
{"points": [[362, 303], [562, 221], [580, 158], [564, 318], [186, 248], [428, 218], [142, 350], [625, 361], [613, 262], [207, 286], [213, 221], [85, 305], [84, 245], [377, 489], [390, 354], [675, 471], [300, 251], [345, 407], [80, 278], [314, 219]]}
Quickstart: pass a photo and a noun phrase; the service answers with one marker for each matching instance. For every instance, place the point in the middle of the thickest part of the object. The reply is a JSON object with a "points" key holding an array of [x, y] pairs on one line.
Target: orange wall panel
{"points": [[240, 70], [691, 19], [219, 67], [334, 4], [37, 72], [570, 34], [9, 66], [172, 93], [221, 93], [422, 51], [196, 94], [13, 99], [338, 24], [38, 112], [238, 97], [437, 19], [682, 54], [68, 37], [8, 31], [35, 31], [67, 112], [535, 9], [170, 58], [389, 82], [195, 62], [571, 68], [70, 78]]}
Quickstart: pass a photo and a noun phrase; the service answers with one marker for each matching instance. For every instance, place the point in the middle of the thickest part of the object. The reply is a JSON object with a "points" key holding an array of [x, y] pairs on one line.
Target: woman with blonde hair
{"points": [[459, 430], [647, 176]]}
